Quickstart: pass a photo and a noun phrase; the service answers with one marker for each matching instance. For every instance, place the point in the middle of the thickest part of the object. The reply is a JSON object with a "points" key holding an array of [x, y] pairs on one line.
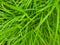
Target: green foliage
{"points": [[29, 22]]}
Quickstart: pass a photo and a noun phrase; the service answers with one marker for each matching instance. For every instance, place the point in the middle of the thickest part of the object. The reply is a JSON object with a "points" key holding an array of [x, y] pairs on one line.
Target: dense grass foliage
{"points": [[29, 22]]}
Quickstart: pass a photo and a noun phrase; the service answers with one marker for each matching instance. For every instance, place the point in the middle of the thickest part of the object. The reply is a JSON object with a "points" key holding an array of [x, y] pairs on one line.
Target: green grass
{"points": [[29, 22]]}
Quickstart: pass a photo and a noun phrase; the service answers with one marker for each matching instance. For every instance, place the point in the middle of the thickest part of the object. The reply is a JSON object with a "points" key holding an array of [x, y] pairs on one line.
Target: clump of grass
{"points": [[29, 22]]}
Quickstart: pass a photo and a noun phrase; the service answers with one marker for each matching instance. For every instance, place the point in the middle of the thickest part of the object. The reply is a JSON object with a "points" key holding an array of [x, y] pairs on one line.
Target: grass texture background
{"points": [[29, 22]]}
